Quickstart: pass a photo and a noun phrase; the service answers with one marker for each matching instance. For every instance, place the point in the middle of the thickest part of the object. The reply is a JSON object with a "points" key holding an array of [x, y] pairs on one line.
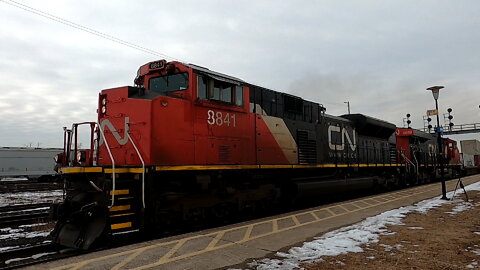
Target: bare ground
{"points": [[436, 240]]}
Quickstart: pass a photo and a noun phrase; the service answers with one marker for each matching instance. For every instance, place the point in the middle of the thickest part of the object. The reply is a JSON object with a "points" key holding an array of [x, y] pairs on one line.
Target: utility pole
{"points": [[348, 105]]}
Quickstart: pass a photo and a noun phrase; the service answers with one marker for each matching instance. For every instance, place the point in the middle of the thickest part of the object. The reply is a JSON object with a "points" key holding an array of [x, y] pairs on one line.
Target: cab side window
{"points": [[202, 87], [239, 96], [223, 92], [226, 94]]}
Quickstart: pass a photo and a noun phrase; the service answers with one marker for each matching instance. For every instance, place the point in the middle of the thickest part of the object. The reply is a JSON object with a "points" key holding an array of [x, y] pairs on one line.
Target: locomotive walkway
{"points": [[231, 245]]}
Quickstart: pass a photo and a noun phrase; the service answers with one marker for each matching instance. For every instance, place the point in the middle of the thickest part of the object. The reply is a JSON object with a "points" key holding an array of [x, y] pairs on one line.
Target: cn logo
{"points": [[344, 135], [107, 124]]}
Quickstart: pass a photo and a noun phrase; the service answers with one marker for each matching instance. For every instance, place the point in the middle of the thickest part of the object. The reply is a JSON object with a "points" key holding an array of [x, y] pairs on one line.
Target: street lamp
{"points": [[436, 91]]}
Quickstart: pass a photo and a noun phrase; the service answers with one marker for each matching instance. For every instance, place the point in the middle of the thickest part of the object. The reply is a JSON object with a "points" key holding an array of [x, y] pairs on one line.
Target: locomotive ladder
{"points": [[123, 217]]}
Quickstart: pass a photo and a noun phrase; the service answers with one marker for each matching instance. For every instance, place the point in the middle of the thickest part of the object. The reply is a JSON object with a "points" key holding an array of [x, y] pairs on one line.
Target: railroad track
{"points": [[25, 212], [23, 186]]}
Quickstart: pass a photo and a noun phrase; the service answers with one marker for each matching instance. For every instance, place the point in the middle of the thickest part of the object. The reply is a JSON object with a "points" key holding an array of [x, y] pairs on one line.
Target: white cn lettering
{"points": [[107, 124], [344, 134]]}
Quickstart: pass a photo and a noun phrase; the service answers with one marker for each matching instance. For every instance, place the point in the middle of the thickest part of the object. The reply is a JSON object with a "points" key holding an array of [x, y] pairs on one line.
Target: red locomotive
{"points": [[188, 144]]}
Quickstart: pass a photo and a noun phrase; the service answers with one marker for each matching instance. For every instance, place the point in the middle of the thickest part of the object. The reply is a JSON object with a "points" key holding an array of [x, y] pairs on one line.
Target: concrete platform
{"points": [[234, 244]]}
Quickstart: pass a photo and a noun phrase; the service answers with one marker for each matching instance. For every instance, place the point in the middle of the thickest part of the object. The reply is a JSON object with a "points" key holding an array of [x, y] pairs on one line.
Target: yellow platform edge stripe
{"points": [[121, 225]]}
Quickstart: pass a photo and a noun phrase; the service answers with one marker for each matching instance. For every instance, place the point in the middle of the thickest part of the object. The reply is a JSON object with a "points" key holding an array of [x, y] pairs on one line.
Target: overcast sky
{"points": [[378, 55]]}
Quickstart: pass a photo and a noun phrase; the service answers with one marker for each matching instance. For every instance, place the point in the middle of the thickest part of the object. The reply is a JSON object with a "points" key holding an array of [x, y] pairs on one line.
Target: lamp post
{"points": [[436, 91], [348, 105]]}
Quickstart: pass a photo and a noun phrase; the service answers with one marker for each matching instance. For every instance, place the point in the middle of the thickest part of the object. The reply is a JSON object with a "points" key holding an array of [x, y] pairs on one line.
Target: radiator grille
{"points": [[307, 149], [224, 153]]}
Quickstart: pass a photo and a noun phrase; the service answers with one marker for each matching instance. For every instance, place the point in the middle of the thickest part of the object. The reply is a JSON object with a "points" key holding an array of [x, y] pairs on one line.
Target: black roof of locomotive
{"points": [[216, 75], [423, 136], [338, 118], [370, 126]]}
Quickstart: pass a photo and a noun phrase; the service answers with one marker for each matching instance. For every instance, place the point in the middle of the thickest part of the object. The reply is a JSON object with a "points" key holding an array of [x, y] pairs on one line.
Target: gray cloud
{"points": [[378, 55]]}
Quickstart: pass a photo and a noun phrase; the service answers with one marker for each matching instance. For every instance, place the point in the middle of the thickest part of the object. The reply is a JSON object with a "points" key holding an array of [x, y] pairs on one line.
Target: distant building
{"points": [[470, 152]]}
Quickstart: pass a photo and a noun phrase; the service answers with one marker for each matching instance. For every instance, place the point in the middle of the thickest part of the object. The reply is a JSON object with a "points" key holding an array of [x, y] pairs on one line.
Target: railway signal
{"points": [[450, 117]]}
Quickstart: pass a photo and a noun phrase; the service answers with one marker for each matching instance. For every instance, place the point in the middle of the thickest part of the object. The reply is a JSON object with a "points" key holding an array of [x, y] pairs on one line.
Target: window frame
{"points": [[187, 76], [212, 84]]}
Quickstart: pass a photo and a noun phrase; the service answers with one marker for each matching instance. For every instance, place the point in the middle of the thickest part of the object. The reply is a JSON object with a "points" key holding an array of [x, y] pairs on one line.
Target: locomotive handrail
{"points": [[407, 160], [113, 164], [416, 161], [143, 168]]}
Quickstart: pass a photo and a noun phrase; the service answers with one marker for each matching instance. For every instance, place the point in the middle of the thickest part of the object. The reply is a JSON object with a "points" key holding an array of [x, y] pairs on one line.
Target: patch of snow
{"points": [[32, 225], [7, 248], [27, 210], [460, 208], [477, 233], [31, 197], [11, 179], [5, 229], [16, 260], [472, 265], [476, 251], [415, 228], [10, 230], [351, 238], [12, 234], [36, 256], [390, 248]]}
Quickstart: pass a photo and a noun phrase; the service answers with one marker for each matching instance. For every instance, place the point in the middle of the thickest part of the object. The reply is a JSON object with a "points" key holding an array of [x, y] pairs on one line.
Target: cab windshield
{"points": [[169, 83]]}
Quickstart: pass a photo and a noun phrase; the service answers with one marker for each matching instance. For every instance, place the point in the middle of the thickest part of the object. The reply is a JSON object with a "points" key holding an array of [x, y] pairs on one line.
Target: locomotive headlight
{"points": [[104, 101], [104, 109]]}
